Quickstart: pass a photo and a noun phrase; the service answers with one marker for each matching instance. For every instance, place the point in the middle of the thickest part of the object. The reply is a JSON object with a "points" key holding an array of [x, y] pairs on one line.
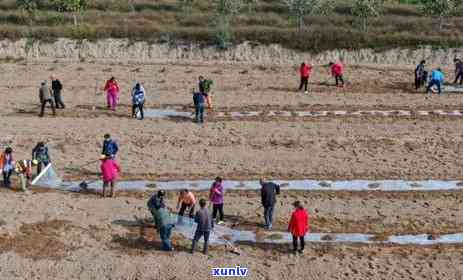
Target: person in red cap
{"points": [[305, 71], [299, 225], [337, 70]]}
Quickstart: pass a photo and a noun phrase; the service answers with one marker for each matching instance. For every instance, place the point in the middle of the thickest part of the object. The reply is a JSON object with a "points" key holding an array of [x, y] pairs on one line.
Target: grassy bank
{"points": [[165, 21]]}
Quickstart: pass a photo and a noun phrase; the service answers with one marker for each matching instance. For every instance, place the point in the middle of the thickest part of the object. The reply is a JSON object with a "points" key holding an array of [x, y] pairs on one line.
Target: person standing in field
{"points": [[204, 223], [298, 226], [45, 97], [337, 71], [458, 71], [7, 166], [112, 93], [205, 89], [57, 87], [420, 75], [198, 101], [41, 155], [305, 71], [216, 194], [138, 100], [24, 170], [268, 193], [110, 170]]}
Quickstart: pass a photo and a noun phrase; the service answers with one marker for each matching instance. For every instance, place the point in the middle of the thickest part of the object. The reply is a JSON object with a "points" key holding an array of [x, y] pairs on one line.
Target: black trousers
{"points": [[418, 82], [6, 178], [304, 83], [140, 108], [42, 109], [459, 77], [58, 101], [217, 208], [183, 208], [339, 79], [302, 241]]}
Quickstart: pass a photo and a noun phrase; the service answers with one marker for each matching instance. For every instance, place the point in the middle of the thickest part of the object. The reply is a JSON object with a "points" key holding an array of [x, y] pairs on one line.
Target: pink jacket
{"points": [[112, 87], [110, 170]]}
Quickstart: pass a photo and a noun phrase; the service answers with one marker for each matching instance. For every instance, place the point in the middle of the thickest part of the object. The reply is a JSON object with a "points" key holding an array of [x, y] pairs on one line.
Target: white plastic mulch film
{"points": [[186, 227], [47, 178]]}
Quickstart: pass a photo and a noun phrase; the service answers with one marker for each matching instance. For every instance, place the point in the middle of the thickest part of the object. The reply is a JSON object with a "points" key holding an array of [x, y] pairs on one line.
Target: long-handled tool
{"points": [[233, 249]]}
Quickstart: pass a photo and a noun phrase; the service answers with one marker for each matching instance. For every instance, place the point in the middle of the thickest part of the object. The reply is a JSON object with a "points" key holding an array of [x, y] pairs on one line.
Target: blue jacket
{"points": [[138, 96], [110, 147], [198, 99], [437, 75]]}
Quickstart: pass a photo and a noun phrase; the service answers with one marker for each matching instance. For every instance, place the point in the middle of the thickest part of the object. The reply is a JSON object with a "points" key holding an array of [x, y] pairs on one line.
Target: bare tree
{"points": [[186, 5], [440, 9], [224, 12], [73, 6], [363, 10], [300, 8]]}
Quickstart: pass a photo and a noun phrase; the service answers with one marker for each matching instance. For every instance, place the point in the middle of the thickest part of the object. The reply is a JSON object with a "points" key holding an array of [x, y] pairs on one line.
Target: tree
{"points": [[251, 5], [224, 12], [186, 5], [28, 6], [363, 10], [300, 8], [73, 6], [440, 9]]}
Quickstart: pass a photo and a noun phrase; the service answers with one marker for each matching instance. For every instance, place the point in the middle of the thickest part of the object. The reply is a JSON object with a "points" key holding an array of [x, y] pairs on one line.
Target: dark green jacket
{"points": [[162, 217]]}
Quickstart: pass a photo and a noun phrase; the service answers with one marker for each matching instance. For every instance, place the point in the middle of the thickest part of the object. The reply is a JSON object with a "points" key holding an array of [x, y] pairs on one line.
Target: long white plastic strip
{"points": [[41, 174], [171, 113], [303, 185]]}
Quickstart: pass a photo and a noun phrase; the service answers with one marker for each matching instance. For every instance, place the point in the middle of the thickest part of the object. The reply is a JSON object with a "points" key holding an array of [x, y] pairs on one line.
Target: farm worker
{"points": [[458, 71], [7, 166], [420, 75], [112, 93], [162, 219], [138, 100], [198, 101], [156, 201], [268, 193], [186, 200], [109, 146], [57, 87], [298, 225], [45, 97], [41, 155], [305, 71], [437, 79], [24, 170], [337, 70], [216, 193], [205, 225], [204, 89], [110, 170]]}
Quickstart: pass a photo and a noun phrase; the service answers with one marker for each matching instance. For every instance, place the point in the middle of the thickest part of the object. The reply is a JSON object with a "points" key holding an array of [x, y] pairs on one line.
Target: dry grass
{"points": [[38, 240], [164, 21]]}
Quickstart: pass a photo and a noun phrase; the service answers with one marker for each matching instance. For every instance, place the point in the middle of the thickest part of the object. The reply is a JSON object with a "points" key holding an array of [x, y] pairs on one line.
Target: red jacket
{"points": [[337, 69], [305, 70], [299, 223]]}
